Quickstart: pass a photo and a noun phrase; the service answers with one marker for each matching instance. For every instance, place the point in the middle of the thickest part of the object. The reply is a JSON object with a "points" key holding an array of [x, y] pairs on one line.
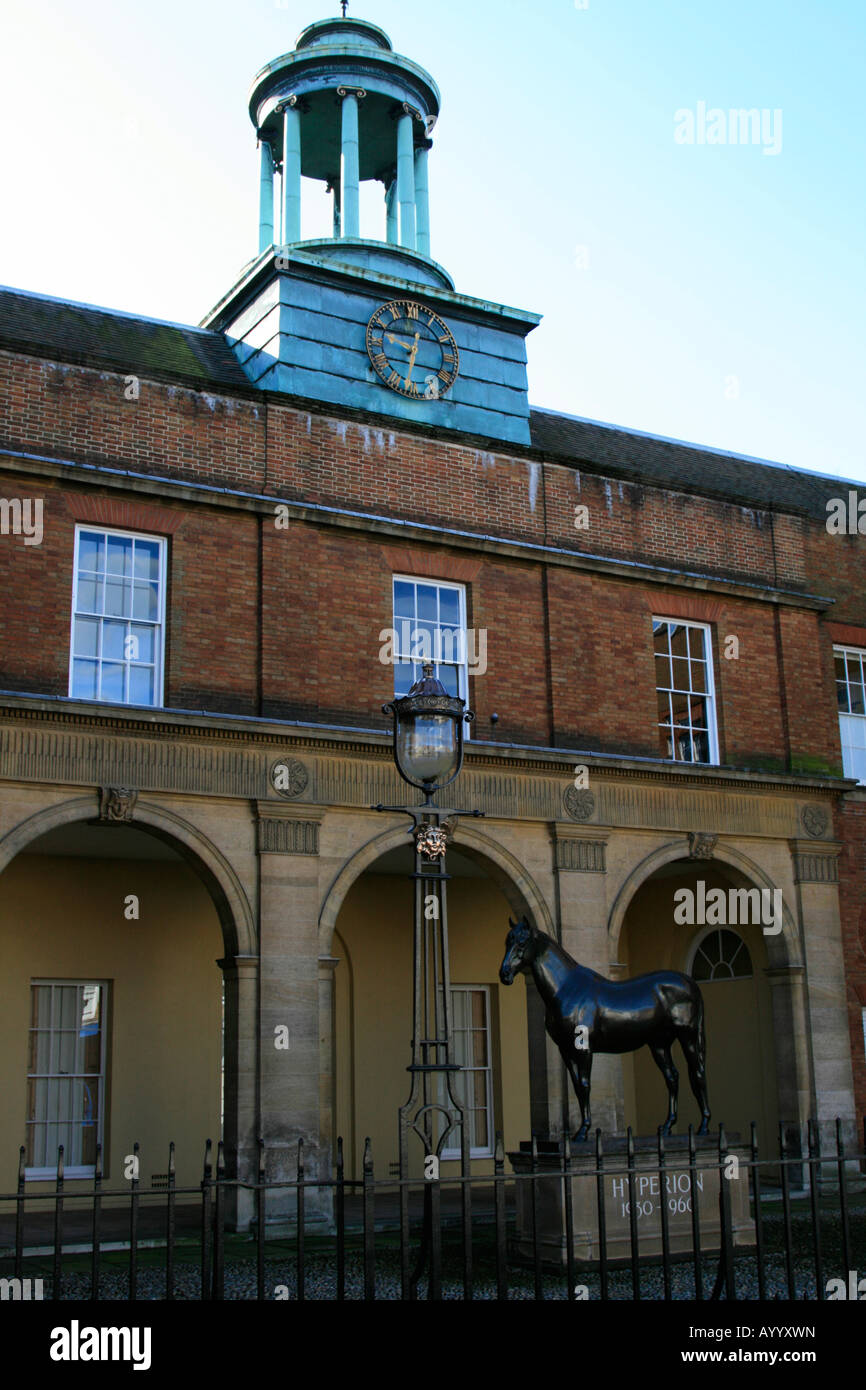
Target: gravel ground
{"points": [[320, 1274]]}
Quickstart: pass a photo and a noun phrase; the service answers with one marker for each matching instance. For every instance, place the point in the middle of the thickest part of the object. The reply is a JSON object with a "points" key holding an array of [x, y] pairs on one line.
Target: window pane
{"points": [[842, 696], [450, 679], [663, 701], [403, 678], [119, 555], [113, 636], [680, 705], [86, 642], [112, 681], [681, 674], [145, 603], [84, 680], [696, 642], [404, 599], [699, 676], [700, 750], [89, 597], [91, 551], [143, 647], [427, 604], [146, 560], [141, 685], [679, 640], [117, 598], [856, 696], [701, 967], [660, 638], [449, 606]]}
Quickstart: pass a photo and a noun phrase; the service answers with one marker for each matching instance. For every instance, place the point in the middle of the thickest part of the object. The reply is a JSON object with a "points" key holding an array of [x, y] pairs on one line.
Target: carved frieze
{"points": [[117, 804], [815, 863], [581, 856], [702, 846], [816, 819], [283, 836], [289, 777], [316, 773], [579, 803]]}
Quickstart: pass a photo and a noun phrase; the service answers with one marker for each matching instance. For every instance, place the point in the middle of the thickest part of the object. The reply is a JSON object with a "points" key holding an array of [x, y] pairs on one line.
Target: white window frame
{"points": [[80, 1170], [709, 696], [478, 1151], [158, 626], [698, 942], [845, 652], [462, 667]]}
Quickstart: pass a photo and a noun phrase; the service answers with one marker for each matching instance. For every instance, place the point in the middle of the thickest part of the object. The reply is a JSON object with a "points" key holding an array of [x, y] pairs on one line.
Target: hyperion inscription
{"points": [[677, 1190]]}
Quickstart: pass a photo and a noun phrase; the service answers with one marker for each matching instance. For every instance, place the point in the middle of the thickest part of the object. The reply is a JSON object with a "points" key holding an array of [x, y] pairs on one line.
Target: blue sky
{"points": [[707, 291]]}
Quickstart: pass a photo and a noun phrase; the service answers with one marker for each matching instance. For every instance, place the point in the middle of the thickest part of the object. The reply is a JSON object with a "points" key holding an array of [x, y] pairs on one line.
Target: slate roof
{"points": [[81, 333], [646, 458], [84, 334]]}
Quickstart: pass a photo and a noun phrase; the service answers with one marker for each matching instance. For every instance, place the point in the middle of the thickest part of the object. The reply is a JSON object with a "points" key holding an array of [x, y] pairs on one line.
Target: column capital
{"points": [[816, 861], [359, 92], [286, 829], [239, 965]]}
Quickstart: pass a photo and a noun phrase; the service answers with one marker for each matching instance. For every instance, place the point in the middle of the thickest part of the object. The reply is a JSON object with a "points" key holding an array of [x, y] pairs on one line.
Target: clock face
{"points": [[413, 350]]}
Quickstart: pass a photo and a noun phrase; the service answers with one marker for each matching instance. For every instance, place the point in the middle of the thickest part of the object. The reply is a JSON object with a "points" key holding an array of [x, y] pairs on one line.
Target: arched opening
{"points": [[114, 1020], [708, 920], [493, 1025]]}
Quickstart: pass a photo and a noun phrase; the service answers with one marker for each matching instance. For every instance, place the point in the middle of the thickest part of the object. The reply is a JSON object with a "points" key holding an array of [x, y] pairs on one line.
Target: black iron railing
{"points": [[341, 1238]]}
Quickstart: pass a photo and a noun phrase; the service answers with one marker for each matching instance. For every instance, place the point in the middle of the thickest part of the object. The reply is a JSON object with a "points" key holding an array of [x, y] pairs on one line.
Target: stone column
{"points": [[240, 1098], [334, 190], [580, 866], [327, 1054], [266, 197], [816, 877], [422, 202], [290, 1045], [406, 179], [350, 167], [391, 228], [291, 172]]}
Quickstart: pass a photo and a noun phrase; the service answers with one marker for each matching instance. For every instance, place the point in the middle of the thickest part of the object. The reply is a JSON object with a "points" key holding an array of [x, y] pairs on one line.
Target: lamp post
{"points": [[428, 753]]}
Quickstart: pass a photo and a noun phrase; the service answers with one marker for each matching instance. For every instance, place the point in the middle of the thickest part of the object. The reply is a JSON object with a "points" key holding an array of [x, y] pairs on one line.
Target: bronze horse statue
{"points": [[585, 1014]]}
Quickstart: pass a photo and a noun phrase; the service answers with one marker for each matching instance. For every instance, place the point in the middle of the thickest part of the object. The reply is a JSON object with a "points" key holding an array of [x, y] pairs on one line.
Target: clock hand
{"points": [[413, 354], [398, 341]]}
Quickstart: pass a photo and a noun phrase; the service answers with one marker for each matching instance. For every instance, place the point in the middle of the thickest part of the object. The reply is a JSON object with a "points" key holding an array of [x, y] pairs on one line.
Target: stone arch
{"points": [[516, 885], [783, 949], [208, 862]]}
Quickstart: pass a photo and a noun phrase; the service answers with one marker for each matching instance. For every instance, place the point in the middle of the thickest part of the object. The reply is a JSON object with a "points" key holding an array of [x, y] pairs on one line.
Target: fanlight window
{"points": [[722, 955]]}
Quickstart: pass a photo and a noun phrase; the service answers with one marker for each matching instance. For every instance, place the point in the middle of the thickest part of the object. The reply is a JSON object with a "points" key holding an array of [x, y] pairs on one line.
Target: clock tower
{"points": [[369, 321]]}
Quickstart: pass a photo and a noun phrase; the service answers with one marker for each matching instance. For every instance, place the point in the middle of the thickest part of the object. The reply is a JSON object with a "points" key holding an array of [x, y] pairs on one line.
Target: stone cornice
{"points": [[166, 488], [190, 729]]}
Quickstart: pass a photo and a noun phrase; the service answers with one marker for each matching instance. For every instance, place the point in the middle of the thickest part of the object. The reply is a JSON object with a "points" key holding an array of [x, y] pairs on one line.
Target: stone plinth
{"points": [[679, 1192]]}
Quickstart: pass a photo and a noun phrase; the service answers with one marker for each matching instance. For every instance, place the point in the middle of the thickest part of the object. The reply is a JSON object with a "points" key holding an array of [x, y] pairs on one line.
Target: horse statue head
{"points": [[519, 949]]}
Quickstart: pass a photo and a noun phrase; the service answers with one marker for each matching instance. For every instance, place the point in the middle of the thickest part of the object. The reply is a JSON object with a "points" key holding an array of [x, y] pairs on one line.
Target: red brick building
{"points": [[201, 562]]}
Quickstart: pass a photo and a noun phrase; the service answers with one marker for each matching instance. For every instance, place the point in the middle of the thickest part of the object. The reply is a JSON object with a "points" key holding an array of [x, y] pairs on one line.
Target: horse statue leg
{"points": [[664, 1061], [579, 1069], [693, 1044]]}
